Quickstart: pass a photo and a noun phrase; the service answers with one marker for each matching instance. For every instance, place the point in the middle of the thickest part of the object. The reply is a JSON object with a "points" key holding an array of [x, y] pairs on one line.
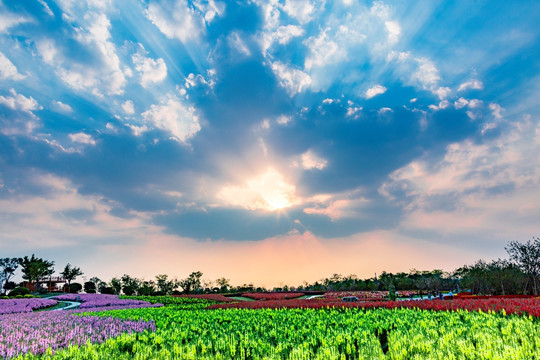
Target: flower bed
{"points": [[36, 332], [214, 297], [89, 301], [273, 296], [13, 306], [507, 306]]}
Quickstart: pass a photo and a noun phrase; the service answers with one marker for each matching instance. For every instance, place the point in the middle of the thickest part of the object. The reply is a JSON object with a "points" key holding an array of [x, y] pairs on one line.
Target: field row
{"points": [[317, 334]]}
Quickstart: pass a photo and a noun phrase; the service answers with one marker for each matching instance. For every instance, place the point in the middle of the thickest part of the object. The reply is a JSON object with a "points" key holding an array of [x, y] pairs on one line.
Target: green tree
{"points": [[130, 285], [70, 273], [526, 256], [34, 269], [192, 282], [165, 285], [7, 270], [89, 287], [115, 285], [223, 284]]}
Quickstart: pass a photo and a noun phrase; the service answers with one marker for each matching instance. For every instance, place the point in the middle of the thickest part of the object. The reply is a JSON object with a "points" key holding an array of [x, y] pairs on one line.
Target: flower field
{"points": [[273, 296], [37, 332], [213, 297], [24, 305], [518, 306], [179, 303], [496, 328], [89, 301], [346, 333]]}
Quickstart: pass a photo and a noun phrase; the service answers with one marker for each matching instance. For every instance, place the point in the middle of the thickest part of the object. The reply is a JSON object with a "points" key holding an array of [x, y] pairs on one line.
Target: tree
{"points": [[99, 284], [130, 285], [224, 284], [89, 287], [115, 285], [526, 256], [7, 270], [164, 285], [192, 282], [146, 288], [75, 287], [34, 269], [70, 273]]}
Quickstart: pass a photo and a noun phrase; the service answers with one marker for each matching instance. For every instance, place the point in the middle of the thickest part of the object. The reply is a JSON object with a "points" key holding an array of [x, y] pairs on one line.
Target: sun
{"points": [[268, 191]]}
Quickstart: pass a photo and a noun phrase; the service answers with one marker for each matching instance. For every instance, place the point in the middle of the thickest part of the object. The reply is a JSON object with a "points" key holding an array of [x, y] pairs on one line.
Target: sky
{"points": [[268, 142]]}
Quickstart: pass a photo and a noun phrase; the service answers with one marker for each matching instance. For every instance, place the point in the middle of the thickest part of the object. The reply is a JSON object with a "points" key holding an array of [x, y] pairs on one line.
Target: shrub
{"points": [[107, 290], [75, 288], [90, 287], [19, 291]]}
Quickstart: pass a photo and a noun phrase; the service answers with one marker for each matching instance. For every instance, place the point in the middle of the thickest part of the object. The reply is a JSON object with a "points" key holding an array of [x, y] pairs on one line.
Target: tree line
{"points": [[517, 275]]}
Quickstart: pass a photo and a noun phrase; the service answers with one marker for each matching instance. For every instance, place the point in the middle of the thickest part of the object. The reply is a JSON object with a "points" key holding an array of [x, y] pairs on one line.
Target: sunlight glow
{"points": [[268, 191]]}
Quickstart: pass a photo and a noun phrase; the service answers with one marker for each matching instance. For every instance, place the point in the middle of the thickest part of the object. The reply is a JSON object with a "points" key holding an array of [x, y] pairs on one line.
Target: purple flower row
{"points": [[36, 332], [89, 301], [13, 306]]}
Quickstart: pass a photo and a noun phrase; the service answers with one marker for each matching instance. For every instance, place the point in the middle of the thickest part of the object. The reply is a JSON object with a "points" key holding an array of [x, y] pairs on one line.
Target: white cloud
{"points": [[282, 35], [471, 84], [47, 220], [46, 8], [496, 110], [443, 92], [19, 102], [301, 10], [236, 42], [210, 9], [310, 160], [179, 120], [294, 80], [101, 75], [427, 74], [490, 186], [82, 138], [176, 19], [323, 51], [8, 70], [152, 71], [268, 191], [336, 206], [283, 120], [128, 107], [442, 105], [374, 91], [461, 103], [384, 110], [394, 30], [61, 107], [8, 20], [25, 121], [353, 111]]}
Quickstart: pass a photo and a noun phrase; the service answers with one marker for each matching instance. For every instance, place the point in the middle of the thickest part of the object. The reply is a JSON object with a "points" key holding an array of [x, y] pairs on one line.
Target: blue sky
{"points": [[146, 137]]}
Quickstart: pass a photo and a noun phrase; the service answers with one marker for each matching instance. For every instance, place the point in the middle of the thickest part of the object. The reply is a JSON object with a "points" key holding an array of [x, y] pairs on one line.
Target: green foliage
{"points": [[192, 283], [322, 334], [7, 270], [70, 273], [183, 303], [527, 257], [34, 269], [75, 288], [90, 287], [19, 291]]}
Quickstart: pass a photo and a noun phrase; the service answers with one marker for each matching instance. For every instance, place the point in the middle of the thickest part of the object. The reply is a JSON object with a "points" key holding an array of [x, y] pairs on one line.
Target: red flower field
{"points": [[497, 304]]}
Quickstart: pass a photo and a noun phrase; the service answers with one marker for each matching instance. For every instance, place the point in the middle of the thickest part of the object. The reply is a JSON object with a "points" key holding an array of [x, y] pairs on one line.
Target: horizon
{"points": [[268, 142]]}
